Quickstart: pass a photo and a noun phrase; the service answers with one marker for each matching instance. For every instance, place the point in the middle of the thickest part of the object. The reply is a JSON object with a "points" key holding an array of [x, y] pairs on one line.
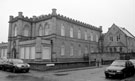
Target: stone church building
{"points": [[51, 37]]}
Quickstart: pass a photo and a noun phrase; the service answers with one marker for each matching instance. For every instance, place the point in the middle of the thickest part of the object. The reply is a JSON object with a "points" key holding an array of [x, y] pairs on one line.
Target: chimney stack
{"points": [[10, 18], [20, 14], [54, 11]]}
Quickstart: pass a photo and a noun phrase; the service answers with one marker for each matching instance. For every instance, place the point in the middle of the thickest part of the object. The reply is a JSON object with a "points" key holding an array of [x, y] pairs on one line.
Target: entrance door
{"points": [[46, 53]]}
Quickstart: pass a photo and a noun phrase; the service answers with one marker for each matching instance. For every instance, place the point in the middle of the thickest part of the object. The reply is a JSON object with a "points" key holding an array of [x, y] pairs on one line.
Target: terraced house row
{"points": [[56, 38]]}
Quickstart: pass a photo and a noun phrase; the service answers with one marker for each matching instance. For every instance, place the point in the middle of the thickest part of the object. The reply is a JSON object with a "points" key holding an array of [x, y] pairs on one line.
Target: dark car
{"points": [[120, 68], [2, 62], [16, 65], [133, 61]]}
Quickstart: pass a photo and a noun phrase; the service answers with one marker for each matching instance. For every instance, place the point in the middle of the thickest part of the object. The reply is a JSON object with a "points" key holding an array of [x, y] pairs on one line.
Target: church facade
{"points": [[51, 37]]}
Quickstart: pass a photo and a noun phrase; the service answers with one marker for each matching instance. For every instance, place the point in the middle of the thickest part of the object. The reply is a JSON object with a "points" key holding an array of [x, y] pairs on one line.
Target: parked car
{"points": [[15, 65], [2, 62], [120, 68], [133, 61]]}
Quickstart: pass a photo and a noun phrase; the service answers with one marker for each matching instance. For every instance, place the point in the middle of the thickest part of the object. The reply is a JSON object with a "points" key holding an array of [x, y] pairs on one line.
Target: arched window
{"points": [[79, 33], [62, 49], [71, 32], [96, 38], [71, 50], [86, 35], [46, 29], [86, 50], [15, 30], [62, 30], [40, 31], [80, 50], [26, 30], [91, 34]]}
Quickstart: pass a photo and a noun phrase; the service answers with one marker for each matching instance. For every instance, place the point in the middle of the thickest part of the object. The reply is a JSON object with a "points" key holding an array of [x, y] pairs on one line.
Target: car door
{"points": [[127, 68]]}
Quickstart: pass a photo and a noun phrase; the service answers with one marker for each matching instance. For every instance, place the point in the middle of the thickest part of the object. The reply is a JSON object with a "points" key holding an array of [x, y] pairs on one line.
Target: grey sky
{"points": [[95, 12]]}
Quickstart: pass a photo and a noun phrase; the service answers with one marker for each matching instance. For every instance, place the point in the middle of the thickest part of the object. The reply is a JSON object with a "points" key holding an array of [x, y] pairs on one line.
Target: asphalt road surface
{"points": [[89, 74]]}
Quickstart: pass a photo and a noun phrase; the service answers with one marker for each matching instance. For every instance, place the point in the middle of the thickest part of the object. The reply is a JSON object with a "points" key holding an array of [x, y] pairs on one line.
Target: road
{"points": [[89, 74]]}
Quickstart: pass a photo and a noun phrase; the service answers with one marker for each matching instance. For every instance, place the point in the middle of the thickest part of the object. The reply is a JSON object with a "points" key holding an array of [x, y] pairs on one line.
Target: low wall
{"points": [[44, 67], [104, 56]]}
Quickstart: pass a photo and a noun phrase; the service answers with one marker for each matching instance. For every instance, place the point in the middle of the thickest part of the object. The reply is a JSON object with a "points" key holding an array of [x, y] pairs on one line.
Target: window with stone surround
{"points": [[86, 36], [71, 32], [79, 33], [40, 31], [62, 30], [96, 38], [80, 50], [46, 29], [15, 30], [63, 49], [91, 35], [71, 50], [26, 30], [86, 50]]}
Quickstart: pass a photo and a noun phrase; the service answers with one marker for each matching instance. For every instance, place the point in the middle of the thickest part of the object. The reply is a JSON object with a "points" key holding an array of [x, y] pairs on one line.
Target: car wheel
{"points": [[3, 69], [106, 76], [14, 70], [27, 70], [124, 75]]}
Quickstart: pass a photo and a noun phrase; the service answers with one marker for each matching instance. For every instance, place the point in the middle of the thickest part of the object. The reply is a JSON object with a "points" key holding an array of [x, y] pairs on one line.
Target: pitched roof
{"points": [[127, 33]]}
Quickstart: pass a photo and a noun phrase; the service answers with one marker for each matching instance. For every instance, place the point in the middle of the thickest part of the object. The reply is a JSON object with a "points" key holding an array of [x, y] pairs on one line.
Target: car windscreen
{"points": [[118, 63], [16, 61]]}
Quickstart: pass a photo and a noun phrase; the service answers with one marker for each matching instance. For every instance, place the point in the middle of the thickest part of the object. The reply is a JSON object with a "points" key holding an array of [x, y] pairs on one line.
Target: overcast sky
{"points": [[95, 12]]}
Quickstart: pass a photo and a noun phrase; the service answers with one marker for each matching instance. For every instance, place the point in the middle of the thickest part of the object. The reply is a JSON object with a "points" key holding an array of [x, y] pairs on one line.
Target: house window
{"points": [[115, 50], [120, 49], [62, 49], [96, 38], [26, 31], [79, 51], [71, 50], [62, 30], [91, 36], [79, 34], [40, 31], [110, 49], [71, 32], [46, 29], [118, 37], [15, 30], [111, 38], [86, 36], [86, 50]]}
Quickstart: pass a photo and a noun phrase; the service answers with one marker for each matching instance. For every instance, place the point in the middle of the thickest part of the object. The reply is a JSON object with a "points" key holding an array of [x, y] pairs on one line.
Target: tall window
{"points": [[86, 36], [40, 31], [86, 50], [71, 50], [111, 38], [62, 30], [118, 37], [91, 36], [62, 49], [96, 38], [80, 52], [15, 30], [26, 31], [71, 32], [46, 29], [79, 33]]}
